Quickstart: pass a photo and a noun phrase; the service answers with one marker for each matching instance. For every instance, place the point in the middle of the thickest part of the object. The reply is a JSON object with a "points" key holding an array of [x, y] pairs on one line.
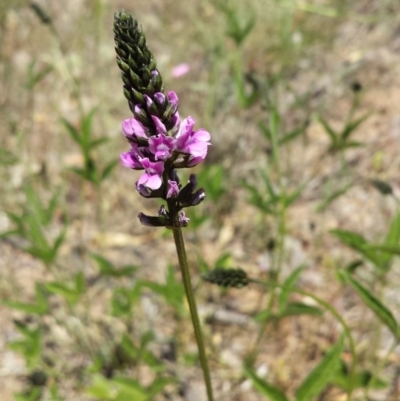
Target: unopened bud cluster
{"points": [[236, 278], [160, 141]]}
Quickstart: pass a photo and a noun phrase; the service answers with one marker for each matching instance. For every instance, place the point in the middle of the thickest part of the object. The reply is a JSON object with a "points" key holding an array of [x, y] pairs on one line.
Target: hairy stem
{"points": [[180, 249]]}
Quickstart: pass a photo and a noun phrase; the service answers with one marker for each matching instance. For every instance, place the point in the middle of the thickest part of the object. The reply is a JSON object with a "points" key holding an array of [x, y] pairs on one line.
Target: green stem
{"points": [[180, 249], [336, 314]]}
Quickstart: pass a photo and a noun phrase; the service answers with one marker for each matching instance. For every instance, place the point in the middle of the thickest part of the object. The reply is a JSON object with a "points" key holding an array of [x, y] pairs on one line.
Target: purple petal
{"points": [[160, 127], [186, 126], [152, 167], [159, 97], [133, 158], [201, 135], [161, 146], [194, 161], [173, 189], [173, 98], [154, 182], [183, 220], [132, 128]]}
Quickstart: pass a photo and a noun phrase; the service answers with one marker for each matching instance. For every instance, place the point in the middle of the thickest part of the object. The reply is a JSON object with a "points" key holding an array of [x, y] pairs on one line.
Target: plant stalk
{"points": [[180, 250]]}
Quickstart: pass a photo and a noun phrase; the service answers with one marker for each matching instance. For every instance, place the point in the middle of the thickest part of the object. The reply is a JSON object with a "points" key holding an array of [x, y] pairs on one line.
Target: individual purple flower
{"points": [[173, 189], [173, 98], [132, 158], [194, 143], [161, 146], [183, 220], [152, 177], [133, 129]]}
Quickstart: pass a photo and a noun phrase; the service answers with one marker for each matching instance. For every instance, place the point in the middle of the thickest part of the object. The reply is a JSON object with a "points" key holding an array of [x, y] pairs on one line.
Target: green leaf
{"points": [[158, 385], [108, 169], [87, 130], [332, 134], [97, 142], [129, 390], [265, 130], [287, 286], [298, 308], [352, 126], [121, 302], [358, 243], [380, 310], [289, 199], [362, 379], [32, 394], [292, 135], [72, 131], [333, 196], [40, 308], [271, 392], [107, 268], [319, 377]]}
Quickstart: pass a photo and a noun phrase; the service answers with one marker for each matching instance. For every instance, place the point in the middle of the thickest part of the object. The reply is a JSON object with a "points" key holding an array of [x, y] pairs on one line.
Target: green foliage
{"points": [[320, 376], [82, 136], [332, 196], [172, 291], [124, 389], [341, 140], [373, 303], [41, 307], [380, 255], [213, 179], [271, 392], [33, 394], [285, 138], [30, 346], [361, 379], [123, 300], [34, 77], [237, 29], [71, 292], [267, 199], [106, 268], [30, 226]]}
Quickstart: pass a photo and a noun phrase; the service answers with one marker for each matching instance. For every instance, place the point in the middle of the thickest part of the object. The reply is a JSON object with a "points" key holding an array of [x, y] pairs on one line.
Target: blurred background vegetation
{"points": [[301, 99]]}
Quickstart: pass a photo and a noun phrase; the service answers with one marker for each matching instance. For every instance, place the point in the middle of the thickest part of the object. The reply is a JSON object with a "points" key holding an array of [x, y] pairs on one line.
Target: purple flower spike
{"points": [[132, 158], [152, 177], [133, 129], [194, 143], [173, 189], [161, 146]]}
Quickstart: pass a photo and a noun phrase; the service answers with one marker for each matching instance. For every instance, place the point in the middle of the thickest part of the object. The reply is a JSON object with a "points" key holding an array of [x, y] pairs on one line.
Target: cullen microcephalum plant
{"points": [[160, 144]]}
